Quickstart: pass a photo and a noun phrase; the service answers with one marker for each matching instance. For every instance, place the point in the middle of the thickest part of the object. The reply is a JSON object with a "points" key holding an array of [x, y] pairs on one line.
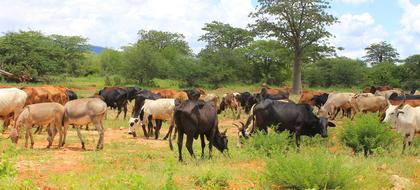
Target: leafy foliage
{"points": [[297, 24], [220, 35], [367, 134], [35, 54], [213, 180], [380, 52]]}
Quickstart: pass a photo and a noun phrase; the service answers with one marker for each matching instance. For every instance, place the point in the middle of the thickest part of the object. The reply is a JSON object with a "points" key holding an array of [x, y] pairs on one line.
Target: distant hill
{"points": [[96, 49]]}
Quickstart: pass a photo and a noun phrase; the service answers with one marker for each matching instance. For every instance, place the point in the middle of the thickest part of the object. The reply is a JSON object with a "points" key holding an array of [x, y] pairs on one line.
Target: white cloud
{"points": [[114, 23], [408, 38], [355, 2], [354, 32]]}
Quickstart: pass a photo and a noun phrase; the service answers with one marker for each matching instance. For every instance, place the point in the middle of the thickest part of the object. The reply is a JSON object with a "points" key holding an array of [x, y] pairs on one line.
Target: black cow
{"points": [[140, 98], [319, 100], [295, 118], [132, 93], [195, 118], [115, 98], [71, 94]]}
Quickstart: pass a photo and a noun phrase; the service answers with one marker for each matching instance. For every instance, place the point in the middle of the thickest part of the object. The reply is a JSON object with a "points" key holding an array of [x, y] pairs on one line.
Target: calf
{"points": [[160, 109], [137, 114], [308, 96], [319, 100], [198, 118], [406, 119], [82, 112], [39, 114], [229, 101], [295, 118]]}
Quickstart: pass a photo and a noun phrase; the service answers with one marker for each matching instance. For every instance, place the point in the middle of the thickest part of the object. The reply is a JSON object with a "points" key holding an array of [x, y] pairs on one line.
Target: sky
{"points": [[115, 23]]}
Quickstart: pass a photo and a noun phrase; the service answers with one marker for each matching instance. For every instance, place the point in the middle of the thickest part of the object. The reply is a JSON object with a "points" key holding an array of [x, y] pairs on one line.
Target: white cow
{"points": [[160, 109], [405, 120], [12, 101]]}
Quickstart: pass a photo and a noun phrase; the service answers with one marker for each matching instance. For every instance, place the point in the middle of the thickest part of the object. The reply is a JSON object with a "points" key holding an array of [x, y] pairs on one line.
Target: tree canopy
{"points": [[297, 24], [220, 35], [380, 52]]}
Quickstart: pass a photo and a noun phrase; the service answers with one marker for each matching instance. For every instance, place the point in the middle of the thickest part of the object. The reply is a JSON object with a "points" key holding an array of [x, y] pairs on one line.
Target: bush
{"points": [[212, 180], [366, 133], [269, 144], [315, 170]]}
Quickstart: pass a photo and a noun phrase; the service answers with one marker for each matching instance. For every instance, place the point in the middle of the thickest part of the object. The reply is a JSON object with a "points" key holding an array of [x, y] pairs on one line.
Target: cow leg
{"points": [[203, 145], [87, 127], [180, 139], [335, 114], [144, 130], [38, 129], [32, 138], [189, 144], [100, 129], [211, 140], [171, 127], [158, 124], [65, 127], [27, 135], [79, 134], [297, 135], [57, 127], [125, 110]]}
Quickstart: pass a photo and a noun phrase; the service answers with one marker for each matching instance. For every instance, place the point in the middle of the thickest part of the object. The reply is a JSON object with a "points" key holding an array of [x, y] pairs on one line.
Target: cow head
{"points": [[221, 141], [323, 125], [391, 114], [132, 126]]}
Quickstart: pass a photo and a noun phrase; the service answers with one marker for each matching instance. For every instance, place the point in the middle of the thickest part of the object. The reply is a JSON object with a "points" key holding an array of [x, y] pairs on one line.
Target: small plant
{"points": [[366, 133], [169, 176], [212, 180], [318, 170], [108, 81], [269, 144], [128, 180]]}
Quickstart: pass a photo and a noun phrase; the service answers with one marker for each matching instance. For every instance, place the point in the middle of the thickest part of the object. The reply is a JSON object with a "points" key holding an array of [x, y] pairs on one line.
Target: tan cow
{"points": [[368, 103], [82, 112], [39, 114]]}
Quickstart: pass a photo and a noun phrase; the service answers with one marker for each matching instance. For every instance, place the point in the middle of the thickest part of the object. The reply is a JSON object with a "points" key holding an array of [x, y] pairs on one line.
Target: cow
{"points": [[213, 98], [170, 93], [82, 112], [132, 93], [319, 100], [71, 94], [141, 96], [388, 93], [307, 97], [367, 102], [406, 119], [57, 93], [115, 98], [265, 94], [12, 101], [160, 109], [50, 113], [412, 100], [298, 119], [198, 118], [36, 95], [229, 101], [335, 102], [373, 89]]}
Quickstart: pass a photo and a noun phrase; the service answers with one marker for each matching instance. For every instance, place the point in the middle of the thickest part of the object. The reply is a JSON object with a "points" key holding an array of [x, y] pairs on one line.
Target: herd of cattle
{"points": [[195, 112]]}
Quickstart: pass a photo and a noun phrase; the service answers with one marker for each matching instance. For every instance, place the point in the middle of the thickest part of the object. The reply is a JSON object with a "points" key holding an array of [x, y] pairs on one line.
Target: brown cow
{"points": [[57, 93], [307, 95], [171, 93], [230, 101], [412, 100], [273, 91]]}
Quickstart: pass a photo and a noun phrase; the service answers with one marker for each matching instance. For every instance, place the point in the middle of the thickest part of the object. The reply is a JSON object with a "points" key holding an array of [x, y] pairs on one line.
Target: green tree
{"points": [[270, 61], [297, 24], [380, 52], [111, 62], [220, 35], [329, 72], [385, 73], [160, 40]]}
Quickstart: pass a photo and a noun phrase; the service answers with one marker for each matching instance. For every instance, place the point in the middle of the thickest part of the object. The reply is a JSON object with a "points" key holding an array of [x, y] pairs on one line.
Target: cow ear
{"points": [[331, 124]]}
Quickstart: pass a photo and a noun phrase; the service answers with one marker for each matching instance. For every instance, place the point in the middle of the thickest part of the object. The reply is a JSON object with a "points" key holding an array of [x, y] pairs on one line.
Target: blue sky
{"points": [[114, 23]]}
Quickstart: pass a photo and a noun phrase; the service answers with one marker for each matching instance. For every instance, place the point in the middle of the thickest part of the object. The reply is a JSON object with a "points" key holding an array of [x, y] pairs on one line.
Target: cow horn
{"points": [[224, 132]]}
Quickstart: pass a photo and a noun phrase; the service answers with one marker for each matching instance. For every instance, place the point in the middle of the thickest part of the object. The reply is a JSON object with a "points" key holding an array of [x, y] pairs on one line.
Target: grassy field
{"points": [[139, 163]]}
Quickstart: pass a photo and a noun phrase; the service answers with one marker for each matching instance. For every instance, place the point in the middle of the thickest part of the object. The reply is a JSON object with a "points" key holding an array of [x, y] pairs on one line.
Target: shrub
{"points": [[212, 180], [269, 144], [315, 170], [366, 133]]}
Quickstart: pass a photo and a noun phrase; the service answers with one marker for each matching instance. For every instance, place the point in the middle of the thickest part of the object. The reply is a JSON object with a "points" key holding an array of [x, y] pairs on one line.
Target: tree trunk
{"points": [[297, 73]]}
